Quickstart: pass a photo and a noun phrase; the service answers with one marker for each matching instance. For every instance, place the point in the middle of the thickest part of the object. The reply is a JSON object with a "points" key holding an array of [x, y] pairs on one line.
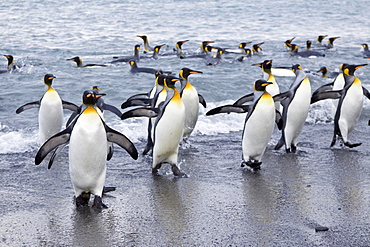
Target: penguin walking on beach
{"points": [[349, 105], [87, 136], [168, 128], [296, 103], [50, 110], [258, 126], [191, 100]]}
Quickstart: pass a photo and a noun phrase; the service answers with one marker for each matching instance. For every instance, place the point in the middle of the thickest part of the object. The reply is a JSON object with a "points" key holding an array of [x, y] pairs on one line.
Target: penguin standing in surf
{"points": [[191, 99], [258, 126], [168, 127], [50, 110], [87, 136], [296, 103], [349, 105]]}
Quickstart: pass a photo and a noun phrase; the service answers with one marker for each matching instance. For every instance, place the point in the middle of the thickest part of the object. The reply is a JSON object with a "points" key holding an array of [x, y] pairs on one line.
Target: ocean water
{"points": [[41, 35]]}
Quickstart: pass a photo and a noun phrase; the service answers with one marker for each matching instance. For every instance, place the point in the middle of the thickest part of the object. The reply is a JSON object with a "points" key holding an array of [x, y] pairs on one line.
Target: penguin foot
{"points": [[155, 169], [352, 145], [98, 203], [83, 199], [176, 171], [255, 165]]}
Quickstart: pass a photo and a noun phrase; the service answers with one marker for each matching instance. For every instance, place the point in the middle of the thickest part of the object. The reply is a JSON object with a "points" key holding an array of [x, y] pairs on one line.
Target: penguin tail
{"points": [[280, 143]]}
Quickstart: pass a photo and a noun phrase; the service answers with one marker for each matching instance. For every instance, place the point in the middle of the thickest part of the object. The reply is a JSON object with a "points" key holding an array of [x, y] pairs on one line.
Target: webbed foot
{"points": [[83, 199], [98, 203], [176, 171]]}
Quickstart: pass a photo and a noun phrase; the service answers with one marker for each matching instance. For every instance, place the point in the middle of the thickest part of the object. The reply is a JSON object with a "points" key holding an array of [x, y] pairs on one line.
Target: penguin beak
{"points": [[266, 83], [361, 65], [257, 64], [99, 95], [196, 71]]}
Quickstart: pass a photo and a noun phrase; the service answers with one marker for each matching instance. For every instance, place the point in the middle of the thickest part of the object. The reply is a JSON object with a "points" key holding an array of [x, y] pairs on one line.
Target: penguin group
{"points": [[173, 105]]}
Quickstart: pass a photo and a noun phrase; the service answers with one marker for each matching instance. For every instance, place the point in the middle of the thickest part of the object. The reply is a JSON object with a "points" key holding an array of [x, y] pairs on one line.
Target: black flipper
{"points": [[53, 142], [228, 109], [323, 88], [282, 96], [112, 109], [35, 104], [244, 99], [326, 95], [122, 141], [70, 106], [366, 92], [56, 151], [149, 143], [202, 101], [110, 151], [140, 112], [137, 102], [278, 120]]}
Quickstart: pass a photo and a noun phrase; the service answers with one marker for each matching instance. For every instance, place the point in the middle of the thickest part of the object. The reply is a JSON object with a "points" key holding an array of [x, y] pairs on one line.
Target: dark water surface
{"points": [[220, 204]]}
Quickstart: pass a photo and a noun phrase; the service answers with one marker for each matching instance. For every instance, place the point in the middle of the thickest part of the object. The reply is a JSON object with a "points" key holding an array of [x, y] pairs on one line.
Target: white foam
{"points": [[17, 141]]}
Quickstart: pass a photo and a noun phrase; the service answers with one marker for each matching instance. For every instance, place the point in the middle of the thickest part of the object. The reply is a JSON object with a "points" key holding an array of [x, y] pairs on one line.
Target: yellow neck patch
{"points": [[89, 110]]}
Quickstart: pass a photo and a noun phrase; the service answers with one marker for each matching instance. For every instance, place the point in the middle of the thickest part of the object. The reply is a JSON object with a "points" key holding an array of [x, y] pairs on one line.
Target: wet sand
{"points": [[220, 204]]}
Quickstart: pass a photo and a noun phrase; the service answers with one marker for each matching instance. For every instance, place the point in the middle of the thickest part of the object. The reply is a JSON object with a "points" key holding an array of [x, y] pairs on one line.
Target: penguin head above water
{"points": [[78, 60], [10, 59], [185, 72], [244, 44], [90, 97], [260, 85], [321, 37], [265, 65], [160, 79], [48, 79]]}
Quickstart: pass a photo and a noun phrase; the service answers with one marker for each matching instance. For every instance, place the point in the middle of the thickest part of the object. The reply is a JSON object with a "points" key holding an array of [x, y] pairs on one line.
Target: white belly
{"points": [[50, 116], [88, 154], [168, 134], [257, 131], [297, 113], [191, 102], [351, 110]]}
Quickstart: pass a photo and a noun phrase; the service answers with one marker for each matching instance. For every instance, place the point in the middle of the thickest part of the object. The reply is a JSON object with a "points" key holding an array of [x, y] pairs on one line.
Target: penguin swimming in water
{"points": [[87, 136], [135, 57], [365, 52], [78, 61], [258, 126], [191, 100], [296, 103], [50, 110], [134, 69], [256, 48], [326, 73], [214, 60], [147, 47], [306, 53], [349, 105]]}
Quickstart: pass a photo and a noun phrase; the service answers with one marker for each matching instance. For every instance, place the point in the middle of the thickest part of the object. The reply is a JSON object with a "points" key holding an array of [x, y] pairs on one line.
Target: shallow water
{"points": [[220, 204]]}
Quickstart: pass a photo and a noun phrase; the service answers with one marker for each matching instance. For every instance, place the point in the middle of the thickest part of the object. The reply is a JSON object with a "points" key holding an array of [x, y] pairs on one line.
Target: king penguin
{"points": [[87, 136], [169, 128], [296, 103], [50, 110], [349, 105], [191, 100], [258, 126], [273, 88]]}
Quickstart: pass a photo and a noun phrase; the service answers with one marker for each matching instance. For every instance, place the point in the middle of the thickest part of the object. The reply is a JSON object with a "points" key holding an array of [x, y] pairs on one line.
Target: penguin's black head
{"points": [[10, 59], [185, 72], [48, 79], [132, 62], [180, 43], [90, 97], [78, 60], [137, 47], [170, 81], [243, 45], [321, 37], [96, 89], [160, 79], [296, 67], [364, 45], [205, 44], [323, 70], [308, 44], [260, 85], [289, 41], [331, 40], [158, 47], [343, 66], [350, 69]]}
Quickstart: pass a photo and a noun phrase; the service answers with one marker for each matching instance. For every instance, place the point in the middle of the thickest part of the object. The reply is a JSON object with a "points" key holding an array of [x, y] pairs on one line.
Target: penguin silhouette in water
{"points": [[87, 136], [50, 110]]}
